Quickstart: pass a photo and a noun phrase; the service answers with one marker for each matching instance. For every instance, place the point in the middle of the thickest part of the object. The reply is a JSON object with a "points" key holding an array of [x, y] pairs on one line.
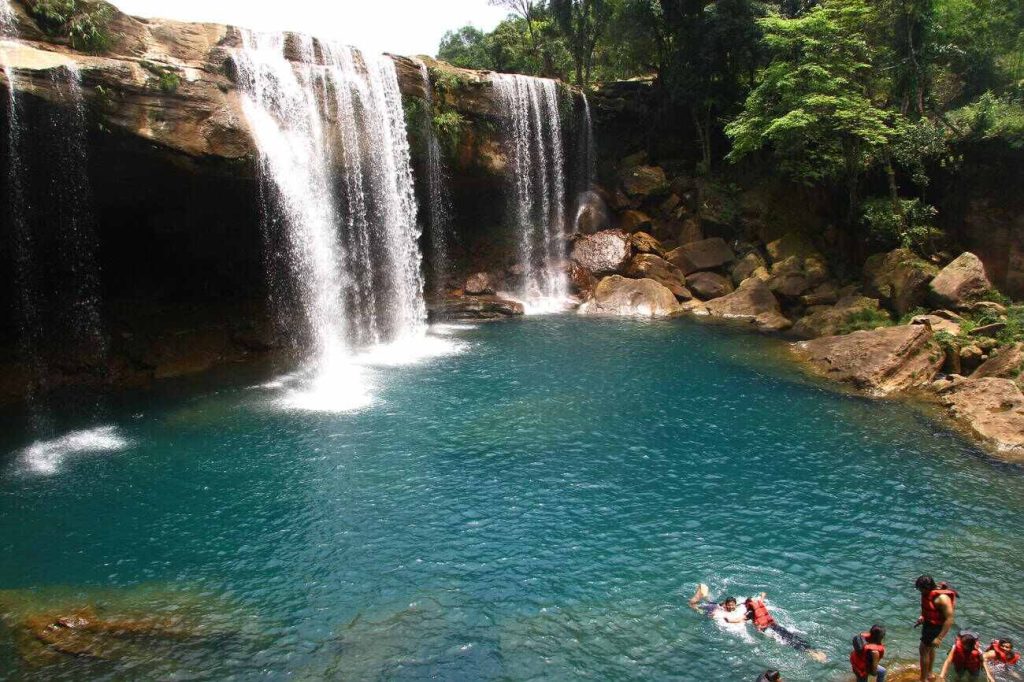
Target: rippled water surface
{"points": [[537, 507]]}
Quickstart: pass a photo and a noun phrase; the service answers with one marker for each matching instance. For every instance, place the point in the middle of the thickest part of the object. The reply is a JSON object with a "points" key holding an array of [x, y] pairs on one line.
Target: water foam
{"points": [[45, 457]]}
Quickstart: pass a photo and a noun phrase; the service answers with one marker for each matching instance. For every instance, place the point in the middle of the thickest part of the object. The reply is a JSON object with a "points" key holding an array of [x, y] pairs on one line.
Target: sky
{"points": [[407, 27]]}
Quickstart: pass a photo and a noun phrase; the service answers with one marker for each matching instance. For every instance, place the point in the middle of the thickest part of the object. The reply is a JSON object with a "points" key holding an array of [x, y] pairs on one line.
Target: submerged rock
{"points": [[882, 361], [993, 409], [708, 285], [475, 308], [960, 282], [649, 266], [900, 278], [706, 254], [624, 297], [752, 302], [604, 252]]}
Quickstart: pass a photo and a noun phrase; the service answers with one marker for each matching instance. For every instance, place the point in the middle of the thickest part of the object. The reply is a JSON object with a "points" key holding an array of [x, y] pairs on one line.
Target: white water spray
{"points": [[533, 132], [439, 202]]}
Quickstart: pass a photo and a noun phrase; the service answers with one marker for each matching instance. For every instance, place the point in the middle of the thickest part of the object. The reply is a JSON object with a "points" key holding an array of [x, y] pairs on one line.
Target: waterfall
{"points": [[439, 201], [533, 134], [6, 19], [338, 187], [586, 162]]}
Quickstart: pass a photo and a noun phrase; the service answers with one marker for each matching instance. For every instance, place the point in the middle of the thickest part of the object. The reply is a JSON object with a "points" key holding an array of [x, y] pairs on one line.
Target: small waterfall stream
{"points": [[338, 185], [439, 201], [533, 132]]}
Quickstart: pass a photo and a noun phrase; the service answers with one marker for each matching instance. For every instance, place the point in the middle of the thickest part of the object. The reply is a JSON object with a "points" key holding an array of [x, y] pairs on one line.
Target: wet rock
{"points": [[624, 297], [592, 213], [641, 182], [960, 282], [747, 265], [708, 285], [604, 252], [706, 254], [899, 278], [1006, 364], [580, 279], [831, 320], [882, 361], [796, 266], [938, 324], [993, 409], [645, 243], [649, 266], [479, 284], [635, 221], [752, 302], [474, 308]]}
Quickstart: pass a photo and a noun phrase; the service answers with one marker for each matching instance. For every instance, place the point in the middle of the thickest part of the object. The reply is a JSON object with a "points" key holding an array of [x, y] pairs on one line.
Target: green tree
{"points": [[468, 47], [814, 105], [582, 24]]}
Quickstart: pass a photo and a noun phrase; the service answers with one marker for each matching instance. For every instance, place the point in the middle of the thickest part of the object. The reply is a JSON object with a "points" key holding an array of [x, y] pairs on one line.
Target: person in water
{"points": [[967, 659], [755, 612], [938, 611], [1000, 652], [868, 652], [770, 676]]}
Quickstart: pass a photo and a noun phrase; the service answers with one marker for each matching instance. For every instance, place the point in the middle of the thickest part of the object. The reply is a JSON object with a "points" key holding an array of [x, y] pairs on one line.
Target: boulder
{"points": [[669, 206], [971, 358], [649, 266], [823, 294], [882, 361], [474, 308], [689, 231], [624, 297], [832, 320], [900, 279], [1006, 364], [478, 284], [603, 252], [645, 243], [708, 285], [960, 282], [752, 302], [746, 266], [641, 182], [796, 266], [580, 280], [634, 221], [993, 409], [938, 324], [592, 213], [706, 254]]}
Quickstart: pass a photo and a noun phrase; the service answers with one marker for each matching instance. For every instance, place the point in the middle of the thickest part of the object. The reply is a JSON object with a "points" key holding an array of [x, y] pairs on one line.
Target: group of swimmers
{"points": [[967, 659]]}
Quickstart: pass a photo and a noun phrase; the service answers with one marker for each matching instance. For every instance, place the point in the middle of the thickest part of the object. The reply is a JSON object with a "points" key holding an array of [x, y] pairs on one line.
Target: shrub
{"points": [[84, 25], [911, 230], [169, 82], [991, 117], [865, 319]]}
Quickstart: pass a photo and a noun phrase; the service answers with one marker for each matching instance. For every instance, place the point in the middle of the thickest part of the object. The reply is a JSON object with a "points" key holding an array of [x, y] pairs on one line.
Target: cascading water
{"points": [[6, 19], [439, 201], [533, 131], [338, 182], [591, 212]]}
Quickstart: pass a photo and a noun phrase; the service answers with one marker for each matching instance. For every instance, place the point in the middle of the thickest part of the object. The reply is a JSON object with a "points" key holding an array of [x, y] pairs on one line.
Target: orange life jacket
{"points": [[759, 612], [860, 661], [929, 610], [1002, 656], [966, 660]]}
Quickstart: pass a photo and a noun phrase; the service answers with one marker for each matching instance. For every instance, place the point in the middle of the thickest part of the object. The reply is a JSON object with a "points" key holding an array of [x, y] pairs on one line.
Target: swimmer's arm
{"points": [[945, 606], [945, 666], [988, 672], [737, 618]]}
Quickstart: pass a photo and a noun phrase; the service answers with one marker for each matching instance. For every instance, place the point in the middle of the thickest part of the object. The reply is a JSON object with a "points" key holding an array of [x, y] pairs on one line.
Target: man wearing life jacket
{"points": [[966, 659], [867, 653], [726, 612], [758, 614], [938, 610], [770, 676], [1001, 652]]}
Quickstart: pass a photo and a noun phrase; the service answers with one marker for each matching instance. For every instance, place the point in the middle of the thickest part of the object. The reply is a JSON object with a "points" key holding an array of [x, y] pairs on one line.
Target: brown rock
{"points": [[708, 285], [475, 308], [993, 409], [580, 279], [989, 329], [823, 294], [938, 324], [832, 320], [669, 205], [960, 282], [706, 254], [797, 267], [649, 266], [690, 231], [746, 266], [1006, 364], [881, 361], [604, 252], [478, 284], [592, 214], [640, 182], [624, 297], [971, 358], [899, 278], [752, 302], [645, 243], [635, 221]]}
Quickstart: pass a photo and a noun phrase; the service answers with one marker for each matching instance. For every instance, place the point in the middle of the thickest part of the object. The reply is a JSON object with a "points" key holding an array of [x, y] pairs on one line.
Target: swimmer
{"points": [[966, 659], [727, 611]]}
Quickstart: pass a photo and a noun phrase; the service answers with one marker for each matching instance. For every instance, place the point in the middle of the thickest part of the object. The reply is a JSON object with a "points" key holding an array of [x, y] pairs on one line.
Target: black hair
{"points": [[730, 599], [877, 633], [925, 582], [1005, 641], [772, 675], [968, 636]]}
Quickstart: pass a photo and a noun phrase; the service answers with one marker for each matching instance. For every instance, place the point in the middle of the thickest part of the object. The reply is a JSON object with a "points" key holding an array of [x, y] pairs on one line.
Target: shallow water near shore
{"points": [[539, 506]]}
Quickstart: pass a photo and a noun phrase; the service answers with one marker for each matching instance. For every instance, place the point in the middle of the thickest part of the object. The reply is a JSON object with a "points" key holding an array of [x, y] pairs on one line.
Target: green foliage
{"points": [[865, 319], [1014, 330], [169, 82], [908, 225], [993, 118], [466, 47], [909, 317], [85, 25], [163, 77]]}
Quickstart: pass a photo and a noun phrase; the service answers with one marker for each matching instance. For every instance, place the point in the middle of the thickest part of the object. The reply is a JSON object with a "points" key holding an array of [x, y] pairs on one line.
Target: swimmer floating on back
{"points": [[757, 613]]}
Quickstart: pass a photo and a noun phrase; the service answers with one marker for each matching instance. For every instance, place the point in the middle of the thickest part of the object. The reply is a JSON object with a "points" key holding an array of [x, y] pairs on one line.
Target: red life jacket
{"points": [[931, 613], [759, 612], [966, 660], [860, 661], [1002, 656]]}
